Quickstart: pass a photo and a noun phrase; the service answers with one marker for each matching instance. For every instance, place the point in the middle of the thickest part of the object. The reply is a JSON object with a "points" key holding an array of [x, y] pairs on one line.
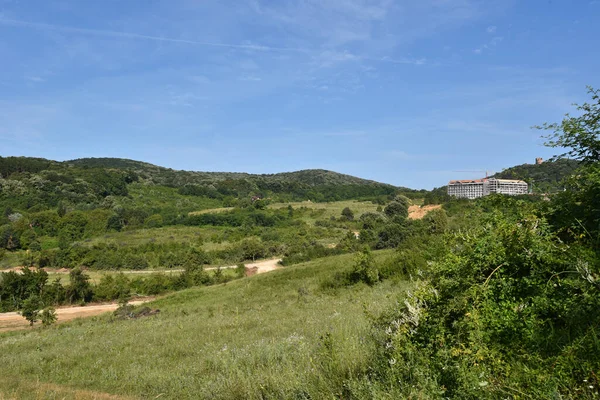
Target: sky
{"points": [[411, 93]]}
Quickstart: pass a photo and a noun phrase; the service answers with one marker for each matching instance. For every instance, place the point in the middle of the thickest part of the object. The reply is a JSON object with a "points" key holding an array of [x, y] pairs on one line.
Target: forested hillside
{"points": [[547, 177], [39, 183], [50, 209]]}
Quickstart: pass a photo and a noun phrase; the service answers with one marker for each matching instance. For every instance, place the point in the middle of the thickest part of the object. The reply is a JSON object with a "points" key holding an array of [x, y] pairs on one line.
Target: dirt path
{"points": [[13, 321], [418, 212], [262, 266]]}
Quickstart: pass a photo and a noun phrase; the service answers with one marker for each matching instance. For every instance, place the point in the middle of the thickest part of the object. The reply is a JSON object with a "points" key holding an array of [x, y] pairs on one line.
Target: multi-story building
{"points": [[473, 188]]}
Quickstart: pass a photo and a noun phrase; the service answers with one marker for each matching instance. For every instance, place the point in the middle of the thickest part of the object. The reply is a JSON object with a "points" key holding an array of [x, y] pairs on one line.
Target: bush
{"points": [[509, 310], [48, 316], [396, 209], [347, 214], [31, 309], [364, 268]]}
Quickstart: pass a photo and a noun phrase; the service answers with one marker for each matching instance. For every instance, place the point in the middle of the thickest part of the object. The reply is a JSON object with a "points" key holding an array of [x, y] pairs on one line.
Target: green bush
{"points": [[510, 310]]}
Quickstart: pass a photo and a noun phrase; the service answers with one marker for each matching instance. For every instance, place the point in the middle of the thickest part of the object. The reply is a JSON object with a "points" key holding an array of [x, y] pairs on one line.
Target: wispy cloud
{"points": [[35, 79], [326, 58], [130, 35], [489, 45]]}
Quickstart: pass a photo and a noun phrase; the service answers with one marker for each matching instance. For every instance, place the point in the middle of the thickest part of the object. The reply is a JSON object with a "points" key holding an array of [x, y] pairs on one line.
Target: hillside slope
{"points": [[310, 177], [545, 177], [33, 182], [276, 335]]}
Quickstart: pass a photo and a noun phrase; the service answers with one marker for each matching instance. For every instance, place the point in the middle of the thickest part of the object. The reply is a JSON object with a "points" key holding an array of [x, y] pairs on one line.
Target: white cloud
{"points": [[35, 79], [495, 41], [491, 29]]}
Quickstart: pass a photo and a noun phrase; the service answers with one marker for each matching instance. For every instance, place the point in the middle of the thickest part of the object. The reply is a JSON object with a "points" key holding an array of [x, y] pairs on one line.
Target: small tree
{"points": [[240, 270], [364, 268], [79, 289], [396, 209], [348, 214], [48, 316], [31, 309], [437, 221]]}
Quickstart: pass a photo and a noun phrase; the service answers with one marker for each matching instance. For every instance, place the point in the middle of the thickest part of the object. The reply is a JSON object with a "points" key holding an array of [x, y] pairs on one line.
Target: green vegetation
{"points": [[546, 178], [487, 299]]}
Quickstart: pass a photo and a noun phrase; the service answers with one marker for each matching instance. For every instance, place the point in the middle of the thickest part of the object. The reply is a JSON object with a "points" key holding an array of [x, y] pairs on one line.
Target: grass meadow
{"points": [[331, 209], [277, 335]]}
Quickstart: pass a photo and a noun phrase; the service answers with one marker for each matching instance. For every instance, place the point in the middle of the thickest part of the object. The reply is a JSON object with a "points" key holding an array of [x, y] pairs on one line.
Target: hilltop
{"points": [[35, 181], [311, 177]]}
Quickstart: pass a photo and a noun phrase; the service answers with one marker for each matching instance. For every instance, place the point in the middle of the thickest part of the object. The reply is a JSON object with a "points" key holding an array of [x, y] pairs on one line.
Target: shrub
{"points": [[509, 310], [348, 214], [31, 309], [48, 316], [364, 269], [396, 208]]}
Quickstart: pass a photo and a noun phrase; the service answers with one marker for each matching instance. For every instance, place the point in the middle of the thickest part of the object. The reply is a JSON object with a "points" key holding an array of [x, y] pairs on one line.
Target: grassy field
{"points": [[157, 197], [168, 234], [277, 335], [328, 210]]}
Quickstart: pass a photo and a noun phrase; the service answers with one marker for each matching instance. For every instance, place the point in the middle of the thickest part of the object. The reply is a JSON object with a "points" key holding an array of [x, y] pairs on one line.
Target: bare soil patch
{"points": [[13, 321], [418, 212]]}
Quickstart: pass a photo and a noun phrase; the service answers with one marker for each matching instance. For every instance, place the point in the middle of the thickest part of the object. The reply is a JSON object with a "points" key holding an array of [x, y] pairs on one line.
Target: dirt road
{"points": [[261, 266], [13, 321]]}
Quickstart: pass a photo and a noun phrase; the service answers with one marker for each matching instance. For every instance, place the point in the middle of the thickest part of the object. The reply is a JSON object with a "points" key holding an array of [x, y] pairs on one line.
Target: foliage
{"points": [[48, 316], [437, 196], [347, 214], [436, 221], [547, 177], [79, 288], [364, 269], [396, 209], [581, 134], [507, 300], [31, 309]]}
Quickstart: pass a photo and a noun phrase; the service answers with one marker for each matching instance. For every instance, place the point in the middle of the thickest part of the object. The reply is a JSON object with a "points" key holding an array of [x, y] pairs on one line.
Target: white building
{"points": [[473, 188]]}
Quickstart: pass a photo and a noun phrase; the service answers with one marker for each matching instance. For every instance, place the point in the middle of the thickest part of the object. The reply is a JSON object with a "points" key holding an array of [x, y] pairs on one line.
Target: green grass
{"points": [[332, 209], [161, 197], [276, 335], [212, 210], [168, 234]]}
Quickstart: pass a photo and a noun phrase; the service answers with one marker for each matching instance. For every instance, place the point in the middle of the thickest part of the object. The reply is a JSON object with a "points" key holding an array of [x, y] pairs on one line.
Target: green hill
{"points": [[28, 182], [545, 178], [310, 177]]}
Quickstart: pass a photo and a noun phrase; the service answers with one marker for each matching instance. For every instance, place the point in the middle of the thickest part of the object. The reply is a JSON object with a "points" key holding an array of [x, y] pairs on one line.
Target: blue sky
{"points": [[405, 92]]}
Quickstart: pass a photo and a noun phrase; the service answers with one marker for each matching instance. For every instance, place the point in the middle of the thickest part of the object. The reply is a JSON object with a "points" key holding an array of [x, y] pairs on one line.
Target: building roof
{"points": [[461, 181], [464, 181]]}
